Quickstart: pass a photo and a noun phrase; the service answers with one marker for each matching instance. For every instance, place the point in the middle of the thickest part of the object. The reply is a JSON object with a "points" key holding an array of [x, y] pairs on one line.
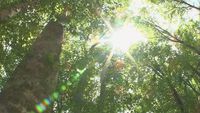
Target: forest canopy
{"points": [[100, 56]]}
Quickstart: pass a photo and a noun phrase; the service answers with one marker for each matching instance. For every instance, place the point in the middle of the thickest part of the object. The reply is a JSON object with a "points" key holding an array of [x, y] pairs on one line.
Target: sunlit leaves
{"points": [[138, 84]]}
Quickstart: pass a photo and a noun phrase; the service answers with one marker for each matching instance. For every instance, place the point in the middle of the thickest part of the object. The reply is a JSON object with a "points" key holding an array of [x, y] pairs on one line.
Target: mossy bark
{"points": [[35, 77]]}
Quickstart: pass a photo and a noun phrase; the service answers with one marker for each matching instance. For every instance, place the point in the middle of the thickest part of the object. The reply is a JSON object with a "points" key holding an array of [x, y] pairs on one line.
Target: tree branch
{"points": [[190, 85], [14, 10], [176, 95], [173, 38], [184, 2]]}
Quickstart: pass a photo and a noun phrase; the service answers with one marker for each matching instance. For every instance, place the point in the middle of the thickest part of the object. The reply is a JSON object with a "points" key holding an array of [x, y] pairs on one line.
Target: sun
{"points": [[122, 38]]}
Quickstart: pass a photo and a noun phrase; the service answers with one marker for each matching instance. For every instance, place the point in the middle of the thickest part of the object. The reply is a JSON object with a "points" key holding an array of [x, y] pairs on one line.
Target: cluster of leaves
{"points": [[163, 77]]}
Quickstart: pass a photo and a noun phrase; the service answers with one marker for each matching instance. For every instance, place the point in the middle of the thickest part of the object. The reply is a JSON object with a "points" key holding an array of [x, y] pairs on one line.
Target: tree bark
{"points": [[35, 77], [100, 105], [177, 98]]}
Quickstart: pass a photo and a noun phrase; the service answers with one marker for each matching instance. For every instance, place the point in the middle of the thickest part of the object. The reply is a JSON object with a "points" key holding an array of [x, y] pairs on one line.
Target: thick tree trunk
{"points": [[35, 77], [14, 10]]}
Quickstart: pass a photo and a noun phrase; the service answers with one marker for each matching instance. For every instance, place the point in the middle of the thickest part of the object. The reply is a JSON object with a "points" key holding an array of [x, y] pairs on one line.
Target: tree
{"points": [[13, 10], [159, 75], [35, 77], [37, 71]]}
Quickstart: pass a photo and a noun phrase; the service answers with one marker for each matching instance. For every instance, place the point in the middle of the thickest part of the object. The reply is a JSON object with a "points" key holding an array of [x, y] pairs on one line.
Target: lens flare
{"points": [[122, 38], [42, 106]]}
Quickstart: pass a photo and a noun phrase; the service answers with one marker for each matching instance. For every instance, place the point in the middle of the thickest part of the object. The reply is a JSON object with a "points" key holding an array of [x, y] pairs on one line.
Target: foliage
{"points": [[161, 75]]}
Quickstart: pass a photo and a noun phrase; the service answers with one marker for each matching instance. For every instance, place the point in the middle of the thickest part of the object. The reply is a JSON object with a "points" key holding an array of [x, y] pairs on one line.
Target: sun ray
{"points": [[122, 38]]}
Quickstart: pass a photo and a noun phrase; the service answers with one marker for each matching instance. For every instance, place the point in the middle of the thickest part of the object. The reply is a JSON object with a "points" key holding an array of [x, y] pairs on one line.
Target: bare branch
{"points": [[184, 2], [173, 38]]}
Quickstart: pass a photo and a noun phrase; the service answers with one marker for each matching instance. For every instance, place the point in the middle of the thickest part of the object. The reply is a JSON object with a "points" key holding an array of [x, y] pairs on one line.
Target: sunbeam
{"points": [[122, 38]]}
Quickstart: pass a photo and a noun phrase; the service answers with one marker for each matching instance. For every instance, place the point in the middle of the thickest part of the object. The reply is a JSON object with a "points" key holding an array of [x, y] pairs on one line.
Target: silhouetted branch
{"points": [[192, 6], [173, 38]]}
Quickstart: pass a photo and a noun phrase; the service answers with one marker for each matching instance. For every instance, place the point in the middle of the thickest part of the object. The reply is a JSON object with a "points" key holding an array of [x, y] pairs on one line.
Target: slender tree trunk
{"points": [[177, 98], [100, 105], [175, 94], [35, 77], [14, 10], [197, 108], [78, 94]]}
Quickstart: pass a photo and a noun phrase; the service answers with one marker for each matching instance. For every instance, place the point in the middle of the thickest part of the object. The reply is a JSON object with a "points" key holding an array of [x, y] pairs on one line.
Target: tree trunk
{"points": [[100, 105], [35, 77], [78, 96], [177, 98], [175, 94]]}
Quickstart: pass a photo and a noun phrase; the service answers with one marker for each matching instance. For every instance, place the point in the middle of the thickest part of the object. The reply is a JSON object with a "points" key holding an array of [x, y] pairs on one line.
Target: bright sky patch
{"points": [[122, 38]]}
